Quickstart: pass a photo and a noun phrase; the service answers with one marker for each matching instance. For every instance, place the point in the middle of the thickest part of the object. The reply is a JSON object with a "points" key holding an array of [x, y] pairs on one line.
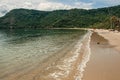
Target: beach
{"points": [[59, 54], [81, 55], [105, 56]]}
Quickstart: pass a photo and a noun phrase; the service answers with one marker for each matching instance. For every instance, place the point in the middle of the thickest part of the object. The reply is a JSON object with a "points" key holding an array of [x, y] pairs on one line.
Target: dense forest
{"points": [[25, 18]]}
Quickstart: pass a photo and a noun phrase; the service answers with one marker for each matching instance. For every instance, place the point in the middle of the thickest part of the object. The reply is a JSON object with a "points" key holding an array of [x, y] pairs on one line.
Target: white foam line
{"points": [[67, 63], [85, 59]]}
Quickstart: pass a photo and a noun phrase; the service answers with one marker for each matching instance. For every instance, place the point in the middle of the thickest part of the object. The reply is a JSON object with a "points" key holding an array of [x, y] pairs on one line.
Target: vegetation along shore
{"points": [[107, 17]]}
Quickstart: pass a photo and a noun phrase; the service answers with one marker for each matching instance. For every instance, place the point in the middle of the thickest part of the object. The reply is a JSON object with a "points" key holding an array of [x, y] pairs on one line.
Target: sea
{"points": [[43, 54]]}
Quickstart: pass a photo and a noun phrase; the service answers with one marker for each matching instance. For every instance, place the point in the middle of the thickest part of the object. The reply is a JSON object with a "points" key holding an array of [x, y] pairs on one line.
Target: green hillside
{"points": [[24, 18]]}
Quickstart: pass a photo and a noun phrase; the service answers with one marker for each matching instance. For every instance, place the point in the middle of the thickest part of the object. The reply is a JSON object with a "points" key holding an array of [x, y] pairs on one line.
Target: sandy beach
{"points": [[105, 56], [94, 56]]}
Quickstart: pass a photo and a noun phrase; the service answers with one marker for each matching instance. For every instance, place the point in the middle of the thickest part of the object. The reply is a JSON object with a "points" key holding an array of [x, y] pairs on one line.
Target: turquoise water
{"points": [[24, 50]]}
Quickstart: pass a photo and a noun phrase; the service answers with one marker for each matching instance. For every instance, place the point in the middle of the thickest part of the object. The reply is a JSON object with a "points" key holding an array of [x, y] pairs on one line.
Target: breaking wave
{"points": [[81, 49]]}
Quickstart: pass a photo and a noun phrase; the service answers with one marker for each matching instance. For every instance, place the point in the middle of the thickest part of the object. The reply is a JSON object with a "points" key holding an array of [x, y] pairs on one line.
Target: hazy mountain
{"points": [[3, 10]]}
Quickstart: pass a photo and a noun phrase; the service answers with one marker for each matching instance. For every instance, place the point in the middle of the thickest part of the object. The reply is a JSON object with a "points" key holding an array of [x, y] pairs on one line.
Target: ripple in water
{"points": [[33, 54]]}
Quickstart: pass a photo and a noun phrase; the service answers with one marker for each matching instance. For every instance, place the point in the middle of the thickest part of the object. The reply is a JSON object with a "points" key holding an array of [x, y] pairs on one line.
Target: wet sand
{"points": [[104, 63]]}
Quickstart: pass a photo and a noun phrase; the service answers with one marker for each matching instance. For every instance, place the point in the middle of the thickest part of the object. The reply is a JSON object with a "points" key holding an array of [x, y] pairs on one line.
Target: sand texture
{"points": [[104, 63]]}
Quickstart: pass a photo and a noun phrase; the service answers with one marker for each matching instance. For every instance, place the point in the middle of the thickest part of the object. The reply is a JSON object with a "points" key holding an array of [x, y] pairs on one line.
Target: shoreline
{"points": [[66, 64], [105, 57], [95, 56]]}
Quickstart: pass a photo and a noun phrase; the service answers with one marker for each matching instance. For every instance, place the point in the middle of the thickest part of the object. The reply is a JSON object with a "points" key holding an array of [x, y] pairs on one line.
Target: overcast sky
{"points": [[48, 5]]}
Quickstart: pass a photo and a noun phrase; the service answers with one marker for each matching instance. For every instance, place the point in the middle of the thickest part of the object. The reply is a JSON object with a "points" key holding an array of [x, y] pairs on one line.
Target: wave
{"points": [[53, 57], [65, 69], [85, 58]]}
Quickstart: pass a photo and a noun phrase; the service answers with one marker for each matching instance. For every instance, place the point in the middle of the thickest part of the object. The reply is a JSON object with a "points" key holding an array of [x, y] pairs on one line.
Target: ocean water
{"points": [[39, 54]]}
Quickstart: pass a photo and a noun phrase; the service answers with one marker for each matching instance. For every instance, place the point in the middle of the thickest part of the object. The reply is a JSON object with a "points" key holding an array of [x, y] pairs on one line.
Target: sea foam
{"points": [[85, 58], [66, 67]]}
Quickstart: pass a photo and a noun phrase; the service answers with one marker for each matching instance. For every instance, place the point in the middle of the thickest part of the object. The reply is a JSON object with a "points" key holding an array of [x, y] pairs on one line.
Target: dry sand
{"points": [[104, 63], [112, 36]]}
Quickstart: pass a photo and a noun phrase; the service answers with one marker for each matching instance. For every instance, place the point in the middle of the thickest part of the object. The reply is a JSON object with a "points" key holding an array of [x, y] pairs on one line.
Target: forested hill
{"points": [[24, 18]]}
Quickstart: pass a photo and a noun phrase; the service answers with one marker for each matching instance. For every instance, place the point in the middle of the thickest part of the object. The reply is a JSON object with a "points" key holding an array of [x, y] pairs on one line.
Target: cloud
{"points": [[43, 4], [28, 5], [7, 5], [113, 2], [48, 6], [3, 10], [106, 2], [83, 5]]}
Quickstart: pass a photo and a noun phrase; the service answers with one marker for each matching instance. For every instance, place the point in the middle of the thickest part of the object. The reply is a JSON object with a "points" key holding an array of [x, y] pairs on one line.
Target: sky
{"points": [[49, 5]]}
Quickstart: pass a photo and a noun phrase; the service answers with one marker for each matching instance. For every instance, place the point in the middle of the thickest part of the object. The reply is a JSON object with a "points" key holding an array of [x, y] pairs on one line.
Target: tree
{"points": [[115, 23]]}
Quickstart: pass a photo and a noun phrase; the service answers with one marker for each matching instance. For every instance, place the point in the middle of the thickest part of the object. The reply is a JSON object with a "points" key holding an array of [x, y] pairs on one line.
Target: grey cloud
{"points": [[3, 10], [37, 4]]}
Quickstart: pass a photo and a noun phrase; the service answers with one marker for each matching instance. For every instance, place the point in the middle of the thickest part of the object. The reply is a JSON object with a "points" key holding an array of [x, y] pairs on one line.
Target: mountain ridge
{"points": [[25, 18]]}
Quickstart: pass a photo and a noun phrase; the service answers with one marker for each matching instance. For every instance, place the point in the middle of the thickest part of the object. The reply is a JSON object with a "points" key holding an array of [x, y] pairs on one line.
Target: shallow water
{"points": [[36, 54]]}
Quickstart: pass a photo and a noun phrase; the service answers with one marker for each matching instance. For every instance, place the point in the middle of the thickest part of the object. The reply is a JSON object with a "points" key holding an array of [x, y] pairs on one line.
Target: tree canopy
{"points": [[24, 18]]}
